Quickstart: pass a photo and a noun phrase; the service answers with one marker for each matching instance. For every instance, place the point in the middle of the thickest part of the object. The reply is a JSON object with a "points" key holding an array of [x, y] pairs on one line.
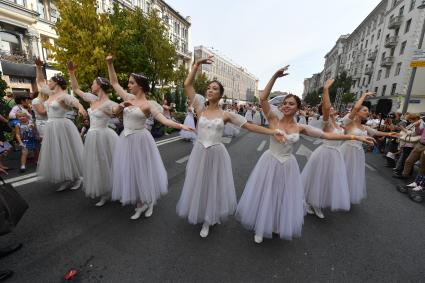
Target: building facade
{"points": [[26, 24], [178, 26], [377, 54], [238, 83]]}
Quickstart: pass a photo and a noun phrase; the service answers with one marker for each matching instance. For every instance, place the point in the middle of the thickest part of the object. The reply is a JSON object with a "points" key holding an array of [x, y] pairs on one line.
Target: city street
{"points": [[380, 240]]}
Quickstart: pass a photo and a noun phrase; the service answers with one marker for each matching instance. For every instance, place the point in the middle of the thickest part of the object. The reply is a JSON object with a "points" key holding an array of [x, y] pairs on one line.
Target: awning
{"points": [[18, 70]]}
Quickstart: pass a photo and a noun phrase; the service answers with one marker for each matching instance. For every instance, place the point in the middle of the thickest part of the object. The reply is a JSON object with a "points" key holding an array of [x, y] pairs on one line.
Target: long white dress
{"points": [[208, 194], [99, 147], [138, 172], [61, 154], [40, 120], [325, 177], [355, 163], [273, 198], [189, 121]]}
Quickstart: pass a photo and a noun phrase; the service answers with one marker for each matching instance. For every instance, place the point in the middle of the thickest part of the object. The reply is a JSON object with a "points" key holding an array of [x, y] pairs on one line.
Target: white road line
{"points": [[261, 146], [183, 160], [226, 140], [308, 138], [168, 141], [19, 178], [370, 167], [24, 182]]}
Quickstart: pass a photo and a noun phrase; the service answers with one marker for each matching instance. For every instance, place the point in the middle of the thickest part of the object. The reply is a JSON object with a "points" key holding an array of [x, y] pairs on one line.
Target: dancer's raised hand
{"points": [[109, 58], [208, 61], [38, 61], [282, 72], [72, 67]]}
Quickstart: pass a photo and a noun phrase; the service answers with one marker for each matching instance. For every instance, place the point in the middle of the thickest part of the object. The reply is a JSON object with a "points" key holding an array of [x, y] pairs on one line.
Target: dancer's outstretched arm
{"points": [[317, 133], [359, 104], [326, 101], [74, 83], [188, 83], [264, 98], [114, 79]]}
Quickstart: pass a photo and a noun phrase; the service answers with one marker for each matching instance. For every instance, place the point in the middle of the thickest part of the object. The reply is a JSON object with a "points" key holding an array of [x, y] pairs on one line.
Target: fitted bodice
{"points": [[334, 143], [210, 132], [283, 151], [356, 132], [134, 120], [55, 110], [98, 119]]}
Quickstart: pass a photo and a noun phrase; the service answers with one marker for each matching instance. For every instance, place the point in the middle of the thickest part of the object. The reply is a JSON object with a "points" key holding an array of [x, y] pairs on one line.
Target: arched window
{"points": [[9, 43]]}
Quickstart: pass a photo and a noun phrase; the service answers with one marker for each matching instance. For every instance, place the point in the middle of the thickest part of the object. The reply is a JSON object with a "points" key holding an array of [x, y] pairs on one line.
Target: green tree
{"points": [[179, 77], [342, 81], [348, 98], [140, 44], [201, 84], [313, 98], [84, 36]]}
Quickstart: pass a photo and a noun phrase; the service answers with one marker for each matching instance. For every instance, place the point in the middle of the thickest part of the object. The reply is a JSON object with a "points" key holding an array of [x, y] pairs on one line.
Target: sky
{"points": [[265, 35]]}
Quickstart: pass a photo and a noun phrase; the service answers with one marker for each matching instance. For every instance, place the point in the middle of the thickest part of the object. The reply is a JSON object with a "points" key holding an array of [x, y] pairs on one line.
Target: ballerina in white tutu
{"points": [[256, 119], [273, 199], [353, 152], [208, 195], [326, 185], [61, 154], [100, 140], [40, 112], [138, 173], [189, 121]]}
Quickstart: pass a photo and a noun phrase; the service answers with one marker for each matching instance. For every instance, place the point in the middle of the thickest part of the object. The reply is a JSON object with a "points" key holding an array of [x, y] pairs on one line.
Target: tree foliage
{"points": [[201, 83], [342, 81], [138, 41], [313, 98]]}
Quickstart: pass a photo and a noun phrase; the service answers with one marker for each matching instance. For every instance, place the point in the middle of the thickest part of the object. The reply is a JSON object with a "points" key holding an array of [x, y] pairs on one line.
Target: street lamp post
{"points": [[412, 76]]}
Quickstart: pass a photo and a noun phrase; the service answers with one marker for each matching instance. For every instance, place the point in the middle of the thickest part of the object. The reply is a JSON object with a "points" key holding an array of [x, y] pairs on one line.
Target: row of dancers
{"points": [[129, 168]]}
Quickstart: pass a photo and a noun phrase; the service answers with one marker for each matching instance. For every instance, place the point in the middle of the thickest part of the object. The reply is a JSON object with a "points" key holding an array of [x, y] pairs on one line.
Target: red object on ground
{"points": [[71, 274]]}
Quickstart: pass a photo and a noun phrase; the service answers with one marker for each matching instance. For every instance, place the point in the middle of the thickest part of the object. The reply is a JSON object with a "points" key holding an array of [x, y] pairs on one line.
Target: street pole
{"points": [[412, 76]]}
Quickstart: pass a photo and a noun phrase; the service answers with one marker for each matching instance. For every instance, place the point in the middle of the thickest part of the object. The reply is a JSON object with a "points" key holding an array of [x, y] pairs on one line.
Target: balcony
{"points": [[391, 41], [372, 55], [15, 56], [356, 76], [395, 22], [387, 62], [368, 71]]}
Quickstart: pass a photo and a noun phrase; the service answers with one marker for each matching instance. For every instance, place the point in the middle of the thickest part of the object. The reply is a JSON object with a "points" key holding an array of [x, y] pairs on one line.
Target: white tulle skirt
{"points": [[98, 151], [231, 130], [61, 154], [273, 199], [356, 173], [208, 193], [189, 121], [137, 170], [325, 179]]}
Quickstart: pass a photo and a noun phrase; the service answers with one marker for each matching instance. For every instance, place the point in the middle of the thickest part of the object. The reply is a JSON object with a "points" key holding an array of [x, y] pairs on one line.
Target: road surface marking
{"points": [[304, 151], [167, 141], [371, 168], [183, 160], [24, 182], [226, 140], [261, 146], [19, 178]]}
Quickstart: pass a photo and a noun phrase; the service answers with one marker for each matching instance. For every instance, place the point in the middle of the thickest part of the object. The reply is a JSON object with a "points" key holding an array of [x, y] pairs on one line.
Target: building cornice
{"points": [[175, 12], [10, 6], [381, 5]]}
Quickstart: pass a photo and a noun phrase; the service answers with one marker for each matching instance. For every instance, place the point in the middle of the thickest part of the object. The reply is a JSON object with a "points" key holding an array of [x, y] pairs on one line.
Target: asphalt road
{"points": [[380, 240]]}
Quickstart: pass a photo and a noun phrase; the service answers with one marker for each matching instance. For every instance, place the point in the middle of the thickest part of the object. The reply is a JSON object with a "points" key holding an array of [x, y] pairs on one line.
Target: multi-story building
{"points": [[26, 24], [377, 54], [178, 26], [312, 84], [238, 83]]}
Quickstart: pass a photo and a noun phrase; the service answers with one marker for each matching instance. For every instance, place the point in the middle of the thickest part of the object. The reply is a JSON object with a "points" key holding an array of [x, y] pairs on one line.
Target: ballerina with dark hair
{"points": [[326, 186], [61, 154], [353, 152], [138, 173], [208, 195], [273, 199], [100, 140]]}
